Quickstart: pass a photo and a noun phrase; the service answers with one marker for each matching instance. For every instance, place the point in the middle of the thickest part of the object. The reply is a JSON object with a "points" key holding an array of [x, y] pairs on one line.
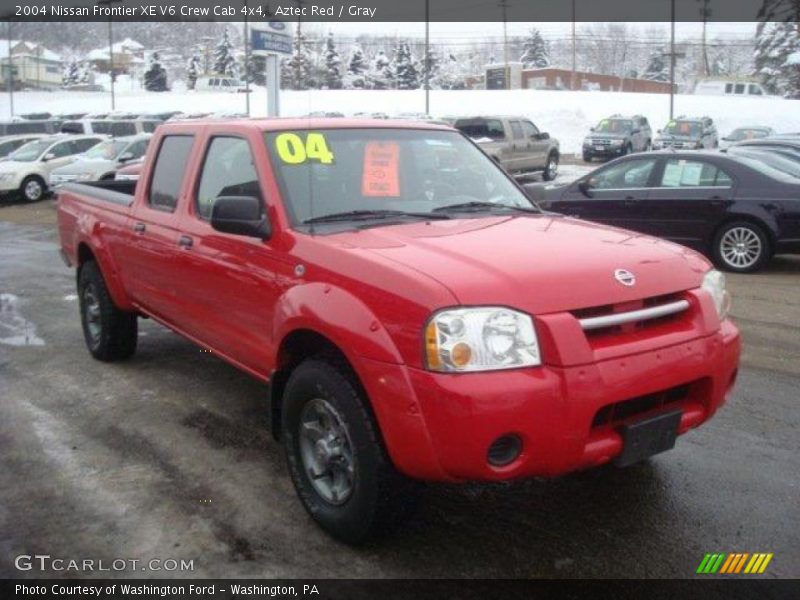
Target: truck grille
{"points": [[614, 415], [631, 316]]}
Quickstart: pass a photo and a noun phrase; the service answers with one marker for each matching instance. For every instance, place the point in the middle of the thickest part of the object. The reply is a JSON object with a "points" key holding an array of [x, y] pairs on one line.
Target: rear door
{"points": [[687, 201], [537, 147], [155, 279], [520, 150], [59, 154], [616, 194], [228, 304]]}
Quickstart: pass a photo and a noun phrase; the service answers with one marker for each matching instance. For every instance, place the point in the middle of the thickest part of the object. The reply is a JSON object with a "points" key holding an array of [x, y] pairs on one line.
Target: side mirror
{"points": [[544, 136], [125, 157], [635, 131], [585, 188], [240, 215], [48, 156]]}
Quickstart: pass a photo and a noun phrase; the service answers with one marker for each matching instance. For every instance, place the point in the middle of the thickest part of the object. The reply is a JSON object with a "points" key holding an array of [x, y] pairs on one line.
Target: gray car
{"points": [[688, 133], [618, 135], [102, 161]]}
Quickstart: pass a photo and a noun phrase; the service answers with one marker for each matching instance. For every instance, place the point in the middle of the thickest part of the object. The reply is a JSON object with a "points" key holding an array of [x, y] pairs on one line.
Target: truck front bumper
{"points": [[441, 426]]}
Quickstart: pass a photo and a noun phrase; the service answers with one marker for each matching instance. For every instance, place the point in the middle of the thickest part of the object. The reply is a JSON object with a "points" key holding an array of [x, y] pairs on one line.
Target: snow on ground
{"points": [[565, 115]]}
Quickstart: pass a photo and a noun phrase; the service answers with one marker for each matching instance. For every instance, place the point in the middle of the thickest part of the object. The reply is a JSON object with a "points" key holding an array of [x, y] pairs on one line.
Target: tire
{"points": [[110, 334], [587, 157], [328, 431], [32, 188], [648, 147], [628, 149], [551, 168], [741, 247]]}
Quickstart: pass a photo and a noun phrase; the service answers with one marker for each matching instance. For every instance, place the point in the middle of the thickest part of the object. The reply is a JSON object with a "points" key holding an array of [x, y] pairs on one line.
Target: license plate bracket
{"points": [[648, 437]]}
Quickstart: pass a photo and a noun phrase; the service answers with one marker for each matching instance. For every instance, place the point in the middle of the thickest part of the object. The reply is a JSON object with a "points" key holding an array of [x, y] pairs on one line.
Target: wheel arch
{"points": [[768, 229]]}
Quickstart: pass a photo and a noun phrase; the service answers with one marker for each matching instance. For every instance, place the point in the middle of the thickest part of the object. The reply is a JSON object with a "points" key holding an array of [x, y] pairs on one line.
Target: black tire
{"points": [[33, 188], [379, 498], [587, 157], [110, 333], [648, 147], [628, 149], [754, 253], [551, 167]]}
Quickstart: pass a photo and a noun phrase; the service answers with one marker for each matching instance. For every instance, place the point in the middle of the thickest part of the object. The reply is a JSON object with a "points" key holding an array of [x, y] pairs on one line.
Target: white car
{"points": [[27, 170], [103, 160], [9, 143]]}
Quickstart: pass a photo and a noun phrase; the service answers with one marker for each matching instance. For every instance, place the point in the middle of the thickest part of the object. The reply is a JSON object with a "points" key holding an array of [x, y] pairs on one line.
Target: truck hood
{"points": [[539, 264], [84, 165]]}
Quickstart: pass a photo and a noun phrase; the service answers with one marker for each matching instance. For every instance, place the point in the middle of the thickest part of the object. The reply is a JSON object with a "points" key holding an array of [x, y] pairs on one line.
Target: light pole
{"points": [[506, 75], [110, 49], [10, 72], [427, 58], [246, 62]]}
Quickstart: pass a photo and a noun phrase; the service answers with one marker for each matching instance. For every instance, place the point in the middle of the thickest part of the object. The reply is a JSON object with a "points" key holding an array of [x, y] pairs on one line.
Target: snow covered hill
{"points": [[565, 115]]}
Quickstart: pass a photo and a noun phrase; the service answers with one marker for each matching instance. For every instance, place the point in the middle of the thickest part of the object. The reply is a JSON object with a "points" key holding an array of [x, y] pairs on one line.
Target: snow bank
{"points": [[565, 115]]}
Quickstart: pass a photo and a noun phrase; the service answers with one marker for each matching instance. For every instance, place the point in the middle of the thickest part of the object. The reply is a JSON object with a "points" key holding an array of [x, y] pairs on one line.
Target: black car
{"points": [[738, 210]]}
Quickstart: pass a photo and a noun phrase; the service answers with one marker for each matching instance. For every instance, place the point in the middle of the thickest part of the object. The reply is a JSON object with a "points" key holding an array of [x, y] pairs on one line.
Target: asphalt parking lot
{"points": [[169, 456]]}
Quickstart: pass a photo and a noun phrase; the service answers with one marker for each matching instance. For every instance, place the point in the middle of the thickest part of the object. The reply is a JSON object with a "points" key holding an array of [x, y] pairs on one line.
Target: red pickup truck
{"points": [[416, 315]]}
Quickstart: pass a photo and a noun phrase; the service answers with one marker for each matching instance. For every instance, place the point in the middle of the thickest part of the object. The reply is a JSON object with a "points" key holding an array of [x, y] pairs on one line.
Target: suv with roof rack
{"points": [[618, 135], [688, 133]]}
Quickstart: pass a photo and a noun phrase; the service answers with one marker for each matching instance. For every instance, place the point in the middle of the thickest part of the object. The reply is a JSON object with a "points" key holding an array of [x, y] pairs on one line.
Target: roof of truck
{"points": [[284, 124]]}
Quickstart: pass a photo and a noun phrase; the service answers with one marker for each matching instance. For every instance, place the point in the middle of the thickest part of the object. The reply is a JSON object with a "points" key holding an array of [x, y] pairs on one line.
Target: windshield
{"points": [[106, 150], [614, 126], [30, 151], [747, 134], [684, 128], [337, 171]]}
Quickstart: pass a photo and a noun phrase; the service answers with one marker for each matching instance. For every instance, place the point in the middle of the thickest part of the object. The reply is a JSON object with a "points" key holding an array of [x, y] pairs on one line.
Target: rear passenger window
{"points": [[122, 128], [516, 130], [169, 171], [228, 170], [83, 145], [693, 173]]}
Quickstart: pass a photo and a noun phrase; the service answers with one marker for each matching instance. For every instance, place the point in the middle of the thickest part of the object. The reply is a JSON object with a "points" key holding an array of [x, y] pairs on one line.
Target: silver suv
{"points": [[618, 135], [685, 133]]}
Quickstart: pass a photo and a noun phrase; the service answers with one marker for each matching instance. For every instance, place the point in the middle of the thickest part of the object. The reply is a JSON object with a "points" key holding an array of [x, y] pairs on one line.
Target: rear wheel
{"points": [[110, 334], [336, 458], [551, 168], [587, 157], [741, 247], [32, 188]]}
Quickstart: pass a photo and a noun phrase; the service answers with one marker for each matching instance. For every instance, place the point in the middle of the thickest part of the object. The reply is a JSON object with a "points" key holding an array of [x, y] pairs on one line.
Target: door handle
{"points": [[185, 241], [139, 228]]}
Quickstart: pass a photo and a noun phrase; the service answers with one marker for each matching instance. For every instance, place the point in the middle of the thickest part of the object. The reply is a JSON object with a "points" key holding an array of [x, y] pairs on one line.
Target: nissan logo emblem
{"points": [[625, 277]]}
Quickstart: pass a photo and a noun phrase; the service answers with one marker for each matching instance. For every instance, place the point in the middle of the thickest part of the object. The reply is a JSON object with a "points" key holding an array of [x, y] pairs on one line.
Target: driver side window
{"points": [[624, 175], [61, 150], [228, 170]]}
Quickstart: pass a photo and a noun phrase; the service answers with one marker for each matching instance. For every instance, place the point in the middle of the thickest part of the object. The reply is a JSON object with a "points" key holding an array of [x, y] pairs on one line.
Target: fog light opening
{"points": [[504, 450]]}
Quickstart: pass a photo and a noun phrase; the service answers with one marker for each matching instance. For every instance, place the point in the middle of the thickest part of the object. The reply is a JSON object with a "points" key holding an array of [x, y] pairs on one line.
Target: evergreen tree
{"points": [[381, 75], [430, 67], [192, 72], [255, 69], [224, 61], [300, 64], [657, 68], [333, 65], [450, 75], [71, 75], [356, 69], [776, 44], [404, 68], [155, 78], [535, 51], [86, 73]]}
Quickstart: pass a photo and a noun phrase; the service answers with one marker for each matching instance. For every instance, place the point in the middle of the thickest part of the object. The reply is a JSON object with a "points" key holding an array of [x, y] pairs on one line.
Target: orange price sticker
{"points": [[381, 177]]}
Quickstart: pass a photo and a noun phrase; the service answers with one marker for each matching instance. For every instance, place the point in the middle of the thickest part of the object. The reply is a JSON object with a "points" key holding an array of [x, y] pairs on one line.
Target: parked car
{"points": [[421, 320], [515, 143], [103, 160], [20, 127], [618, 135], [9, 143], [687, 133], [738, 210], [729, 87], [129, 172], [780, 144], [27, 169], [112, 127], [220, 84], [741, 134]]}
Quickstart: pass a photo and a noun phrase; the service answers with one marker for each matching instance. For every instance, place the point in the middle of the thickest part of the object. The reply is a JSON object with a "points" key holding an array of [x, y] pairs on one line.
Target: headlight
{"points": [[714, 284], [480, 339]]}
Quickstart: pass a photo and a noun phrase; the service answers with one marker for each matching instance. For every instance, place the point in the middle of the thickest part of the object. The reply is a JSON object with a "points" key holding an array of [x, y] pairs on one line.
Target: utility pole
{"points": [[246, 62], [427, 58], [10, 72], [574, 51], [110, 49], [672, 61], [506, 74]]}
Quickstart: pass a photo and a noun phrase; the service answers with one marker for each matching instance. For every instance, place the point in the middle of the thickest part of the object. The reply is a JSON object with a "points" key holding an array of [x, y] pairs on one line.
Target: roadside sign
{"points": [[276, 39]]}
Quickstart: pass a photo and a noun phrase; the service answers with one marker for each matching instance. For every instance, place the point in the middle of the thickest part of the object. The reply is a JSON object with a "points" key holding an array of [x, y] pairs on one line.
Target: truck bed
{"points": [[118, 192]]}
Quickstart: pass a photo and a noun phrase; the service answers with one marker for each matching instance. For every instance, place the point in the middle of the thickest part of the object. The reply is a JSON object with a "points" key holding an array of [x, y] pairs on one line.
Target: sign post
{"points": [[271, 42]]}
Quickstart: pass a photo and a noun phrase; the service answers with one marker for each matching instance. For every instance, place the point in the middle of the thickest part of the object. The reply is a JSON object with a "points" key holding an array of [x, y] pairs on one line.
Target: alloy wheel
{"points": [[741, 247]]}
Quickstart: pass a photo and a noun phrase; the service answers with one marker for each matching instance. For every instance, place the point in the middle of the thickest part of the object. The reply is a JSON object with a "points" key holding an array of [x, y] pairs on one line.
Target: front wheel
{"points": [[336, 458], [32, 188], [110, 334], [551, 168], [741, 247]]}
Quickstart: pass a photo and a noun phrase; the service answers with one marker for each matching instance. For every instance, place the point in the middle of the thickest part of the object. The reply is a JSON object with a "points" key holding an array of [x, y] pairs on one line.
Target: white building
{"points": [[34, 66]]}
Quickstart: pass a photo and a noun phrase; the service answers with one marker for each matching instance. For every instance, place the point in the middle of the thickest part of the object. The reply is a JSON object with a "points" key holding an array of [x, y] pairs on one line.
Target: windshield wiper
{"points": [[476, 206], [365, 215]]}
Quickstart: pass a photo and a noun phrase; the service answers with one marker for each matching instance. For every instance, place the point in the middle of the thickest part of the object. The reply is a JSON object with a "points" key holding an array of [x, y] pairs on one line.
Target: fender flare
{"points": [[89, 234]]}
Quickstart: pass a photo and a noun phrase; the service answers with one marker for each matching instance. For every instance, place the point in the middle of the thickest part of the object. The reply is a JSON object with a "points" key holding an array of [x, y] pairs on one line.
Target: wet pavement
{"points": [[169, 456]]}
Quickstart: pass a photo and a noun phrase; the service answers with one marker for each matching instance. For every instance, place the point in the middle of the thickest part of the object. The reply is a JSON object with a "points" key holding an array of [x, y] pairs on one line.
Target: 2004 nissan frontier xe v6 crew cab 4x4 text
{"points": [[418, 318]]}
